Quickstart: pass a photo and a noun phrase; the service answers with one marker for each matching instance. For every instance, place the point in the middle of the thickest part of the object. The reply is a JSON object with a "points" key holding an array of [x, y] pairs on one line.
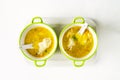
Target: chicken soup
{"points": [[77, 45], [42, 41]]}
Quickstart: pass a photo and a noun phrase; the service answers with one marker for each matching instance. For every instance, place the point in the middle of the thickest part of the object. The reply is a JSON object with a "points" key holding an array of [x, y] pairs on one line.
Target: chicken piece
{"points": [[44, 45], [71, 43]]}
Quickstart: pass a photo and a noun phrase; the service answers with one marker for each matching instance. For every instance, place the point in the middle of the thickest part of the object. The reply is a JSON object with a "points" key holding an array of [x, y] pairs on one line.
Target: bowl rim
{"points": [[65, 53], [27, 55]]}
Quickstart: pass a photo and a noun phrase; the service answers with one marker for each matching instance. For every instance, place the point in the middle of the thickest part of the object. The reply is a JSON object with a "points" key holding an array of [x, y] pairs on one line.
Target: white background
{"points": [[16, 14]]}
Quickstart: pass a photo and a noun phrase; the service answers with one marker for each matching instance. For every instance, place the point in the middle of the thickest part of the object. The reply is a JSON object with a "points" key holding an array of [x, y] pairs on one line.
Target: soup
{"points": [[77, 46], [42, 41]]}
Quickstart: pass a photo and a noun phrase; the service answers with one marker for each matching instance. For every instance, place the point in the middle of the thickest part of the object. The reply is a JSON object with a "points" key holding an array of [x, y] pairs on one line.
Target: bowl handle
{"points": [[79, 20], [78, 63], [40, 63], [37, 20]]}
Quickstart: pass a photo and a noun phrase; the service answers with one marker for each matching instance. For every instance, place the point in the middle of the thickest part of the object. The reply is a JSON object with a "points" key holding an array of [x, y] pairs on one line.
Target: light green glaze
{"points": [[82, 21], [80, 64], [40, 65], [35, 18], [75, 60], [36, 61]]}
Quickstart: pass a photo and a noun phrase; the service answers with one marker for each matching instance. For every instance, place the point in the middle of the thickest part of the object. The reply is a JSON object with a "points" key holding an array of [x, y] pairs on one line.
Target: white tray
{"points": [[58, 59]]}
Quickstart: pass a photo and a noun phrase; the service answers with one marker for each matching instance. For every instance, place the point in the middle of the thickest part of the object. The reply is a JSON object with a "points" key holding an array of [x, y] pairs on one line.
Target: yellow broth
{"points": [[36, 35], [82, 44]]}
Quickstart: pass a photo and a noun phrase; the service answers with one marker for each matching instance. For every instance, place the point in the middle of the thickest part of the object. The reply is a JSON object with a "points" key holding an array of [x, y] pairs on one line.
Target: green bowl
{"points": [[78, 62], [37, 21]]}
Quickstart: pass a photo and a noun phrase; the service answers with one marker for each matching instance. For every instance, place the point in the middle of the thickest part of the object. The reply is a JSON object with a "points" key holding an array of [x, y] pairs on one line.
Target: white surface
{"points": [[16, 14]]}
